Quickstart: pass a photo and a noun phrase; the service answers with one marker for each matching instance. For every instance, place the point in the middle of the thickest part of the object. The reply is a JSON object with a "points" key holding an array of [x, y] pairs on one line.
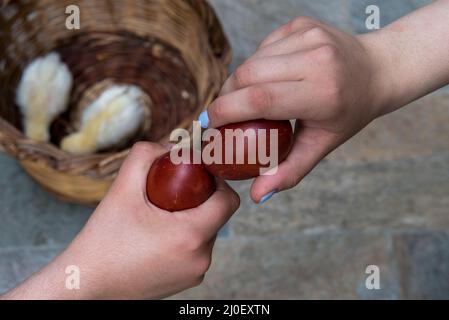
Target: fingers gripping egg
{"points": [[114, 117], [42, 94]]}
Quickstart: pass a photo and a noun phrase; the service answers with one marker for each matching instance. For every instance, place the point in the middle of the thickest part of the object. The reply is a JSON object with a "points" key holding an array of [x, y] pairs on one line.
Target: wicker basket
{"points": [[174, 49]]}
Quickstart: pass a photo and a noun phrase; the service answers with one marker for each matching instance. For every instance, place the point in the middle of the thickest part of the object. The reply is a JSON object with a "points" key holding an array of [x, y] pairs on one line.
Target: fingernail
{"points": [[267, 197], [204, 119]]}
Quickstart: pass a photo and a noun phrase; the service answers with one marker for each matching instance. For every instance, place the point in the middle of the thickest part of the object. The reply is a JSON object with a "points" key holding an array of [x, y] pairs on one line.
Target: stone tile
{"points": [[389, 11], [248, 22], [423, 259], [224, 232], [418, 129], [31, 217], [401, 194], [314, 266], [17, 264], [444, 90]]}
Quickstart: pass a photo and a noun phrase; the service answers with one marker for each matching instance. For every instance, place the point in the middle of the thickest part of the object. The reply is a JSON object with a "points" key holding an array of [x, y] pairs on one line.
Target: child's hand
{"points": [[308, 71], [132, 249]]}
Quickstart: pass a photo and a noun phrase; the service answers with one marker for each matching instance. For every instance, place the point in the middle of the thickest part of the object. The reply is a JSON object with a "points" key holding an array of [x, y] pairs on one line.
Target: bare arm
{"points": [[412, 54]]}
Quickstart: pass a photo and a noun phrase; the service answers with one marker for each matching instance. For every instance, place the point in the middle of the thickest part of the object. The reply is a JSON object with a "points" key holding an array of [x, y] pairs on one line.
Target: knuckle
{"points": [[216, 109], [198, 267], [243, 75], [188, 241], [286, 28], [317, 34], [141, 146], [259, 98], [297, 174], [327, 54], [301, 21], [202, 266], [194, 241], [292, 181]]}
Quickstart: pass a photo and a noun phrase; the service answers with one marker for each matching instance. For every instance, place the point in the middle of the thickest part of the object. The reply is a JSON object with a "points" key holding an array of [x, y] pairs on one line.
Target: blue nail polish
{"points": [[204, 120], [267, 197]]}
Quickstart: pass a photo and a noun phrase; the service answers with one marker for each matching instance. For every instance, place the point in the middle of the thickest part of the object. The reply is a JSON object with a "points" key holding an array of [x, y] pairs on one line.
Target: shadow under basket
{"points": [[175, 50]]}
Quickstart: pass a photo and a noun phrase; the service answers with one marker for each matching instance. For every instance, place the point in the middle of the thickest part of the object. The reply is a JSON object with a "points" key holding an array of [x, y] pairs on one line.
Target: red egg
{"points": [[248, 149], [175, 187]]}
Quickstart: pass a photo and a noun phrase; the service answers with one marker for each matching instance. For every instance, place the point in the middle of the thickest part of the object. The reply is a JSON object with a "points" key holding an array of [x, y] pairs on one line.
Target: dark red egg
{"points": [[248, 148], [175, 187]]}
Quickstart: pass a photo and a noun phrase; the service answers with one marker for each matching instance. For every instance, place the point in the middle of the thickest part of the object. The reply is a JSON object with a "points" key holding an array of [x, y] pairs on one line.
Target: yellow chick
{"points": [[42, 94], [114, 117]]}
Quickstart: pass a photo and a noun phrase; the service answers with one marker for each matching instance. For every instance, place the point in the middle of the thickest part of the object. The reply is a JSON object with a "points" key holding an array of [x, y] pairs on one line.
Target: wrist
{"points": [[386, 91]]}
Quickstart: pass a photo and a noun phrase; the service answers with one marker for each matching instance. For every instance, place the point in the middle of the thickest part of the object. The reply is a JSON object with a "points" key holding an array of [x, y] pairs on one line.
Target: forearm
{"points": [[411, 55], [42, 285], [50, 282]]}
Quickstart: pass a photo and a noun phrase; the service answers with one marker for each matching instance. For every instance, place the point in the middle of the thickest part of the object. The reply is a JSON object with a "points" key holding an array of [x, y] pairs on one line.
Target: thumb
{"points": [[134, 169], [213, 214]]}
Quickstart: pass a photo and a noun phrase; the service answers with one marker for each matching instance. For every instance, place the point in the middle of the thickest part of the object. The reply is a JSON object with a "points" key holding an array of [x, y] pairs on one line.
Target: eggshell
{"points": [[246, 169], [175, 187]]}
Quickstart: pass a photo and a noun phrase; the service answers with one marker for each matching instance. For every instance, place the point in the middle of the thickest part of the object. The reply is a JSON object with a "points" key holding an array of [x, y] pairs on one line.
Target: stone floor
{"points": [[381, 199]]}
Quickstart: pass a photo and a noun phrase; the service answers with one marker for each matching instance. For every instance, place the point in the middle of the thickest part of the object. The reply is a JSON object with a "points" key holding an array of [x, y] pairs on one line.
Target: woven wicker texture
{"points": [[175, 50]]}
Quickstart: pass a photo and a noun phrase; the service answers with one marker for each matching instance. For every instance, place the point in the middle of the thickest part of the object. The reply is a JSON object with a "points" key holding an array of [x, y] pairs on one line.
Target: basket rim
{"points": [[104, 165]]}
